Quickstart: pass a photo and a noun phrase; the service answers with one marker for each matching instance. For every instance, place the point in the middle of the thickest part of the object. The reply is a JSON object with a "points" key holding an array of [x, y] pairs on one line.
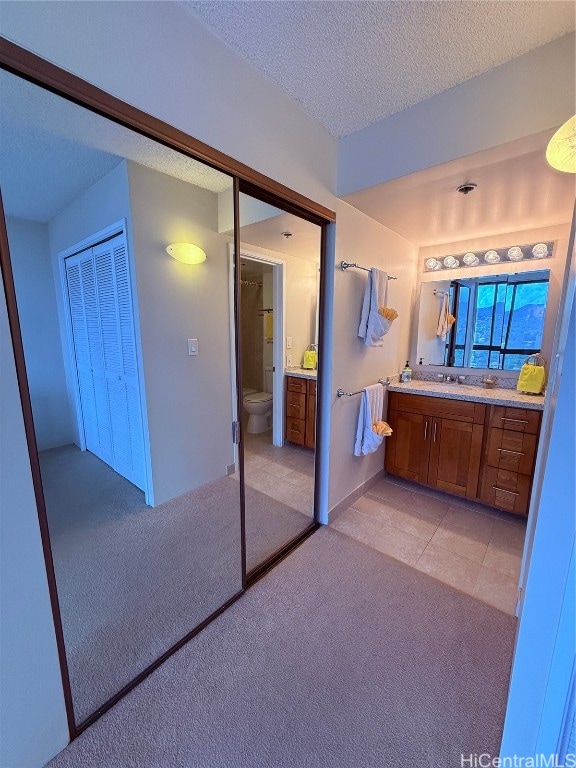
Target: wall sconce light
{"points": [[561, 149], [186, 253]]}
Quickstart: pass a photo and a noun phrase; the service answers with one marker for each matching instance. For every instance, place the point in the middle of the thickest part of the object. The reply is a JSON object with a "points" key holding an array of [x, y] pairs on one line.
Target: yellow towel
{"points": [[270, 326], [382, 428], [532, 378]]}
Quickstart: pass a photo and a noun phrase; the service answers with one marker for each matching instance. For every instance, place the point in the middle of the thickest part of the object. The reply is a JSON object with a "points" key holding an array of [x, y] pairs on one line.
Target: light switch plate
{"points": [[288, 342], [192, 346], [288, 361]]}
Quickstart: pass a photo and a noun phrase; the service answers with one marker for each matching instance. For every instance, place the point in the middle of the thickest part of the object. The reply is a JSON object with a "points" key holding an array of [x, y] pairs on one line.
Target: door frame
{"points": [[279, 303], [117, 228]]}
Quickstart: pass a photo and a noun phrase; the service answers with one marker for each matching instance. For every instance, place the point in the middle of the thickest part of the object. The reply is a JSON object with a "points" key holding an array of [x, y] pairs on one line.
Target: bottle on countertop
{"points": [[406, 373]]}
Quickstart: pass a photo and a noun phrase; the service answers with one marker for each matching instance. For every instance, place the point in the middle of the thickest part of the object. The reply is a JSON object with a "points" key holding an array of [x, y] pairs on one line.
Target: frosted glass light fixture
{"points": [[187, 253], [540, 251], [561, 149], [515, 253]]}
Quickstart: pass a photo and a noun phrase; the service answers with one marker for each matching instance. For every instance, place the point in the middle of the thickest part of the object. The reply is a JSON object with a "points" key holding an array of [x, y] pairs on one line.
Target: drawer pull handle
{"points": [[504, 490], [435, 426], [425, 429], [517, 453], [518, 421]]}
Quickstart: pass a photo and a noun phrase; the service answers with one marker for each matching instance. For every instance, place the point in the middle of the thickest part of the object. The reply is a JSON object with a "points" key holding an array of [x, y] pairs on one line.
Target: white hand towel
{"points": [[373, 327], [371, 407], [443, 326]]}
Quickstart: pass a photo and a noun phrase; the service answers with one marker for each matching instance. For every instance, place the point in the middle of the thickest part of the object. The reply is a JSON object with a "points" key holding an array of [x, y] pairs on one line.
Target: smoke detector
{"points": [[467, 188]]}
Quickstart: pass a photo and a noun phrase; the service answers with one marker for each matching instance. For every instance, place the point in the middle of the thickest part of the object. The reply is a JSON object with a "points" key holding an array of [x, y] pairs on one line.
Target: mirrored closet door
{"points": [[279, 299], [120, 262]]}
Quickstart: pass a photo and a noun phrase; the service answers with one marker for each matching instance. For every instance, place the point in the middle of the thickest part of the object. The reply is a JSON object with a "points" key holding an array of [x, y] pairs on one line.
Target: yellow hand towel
{"points": [[388, 313], [532, 378], [270, 326], [382, 428]]}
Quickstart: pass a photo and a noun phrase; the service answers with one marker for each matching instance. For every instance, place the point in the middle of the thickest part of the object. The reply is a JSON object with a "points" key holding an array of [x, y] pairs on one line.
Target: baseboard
{"points": [[343, 505]]}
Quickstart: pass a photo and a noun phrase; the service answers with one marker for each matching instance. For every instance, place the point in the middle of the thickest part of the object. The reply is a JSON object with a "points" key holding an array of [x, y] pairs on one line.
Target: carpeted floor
{"points": [[340, 657], [133, 580]]}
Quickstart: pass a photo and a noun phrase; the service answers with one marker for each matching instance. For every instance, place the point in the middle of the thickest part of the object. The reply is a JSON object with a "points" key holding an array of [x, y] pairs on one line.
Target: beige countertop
{"points": [[453, 391], [302, 373]]}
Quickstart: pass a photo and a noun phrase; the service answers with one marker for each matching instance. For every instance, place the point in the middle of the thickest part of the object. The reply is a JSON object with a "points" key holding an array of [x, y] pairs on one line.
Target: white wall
{"points": [[32, 715], [532, 93], [189, 399], [36, 295], [545, 649], [103, 204], [361, 239], [557, 264]]}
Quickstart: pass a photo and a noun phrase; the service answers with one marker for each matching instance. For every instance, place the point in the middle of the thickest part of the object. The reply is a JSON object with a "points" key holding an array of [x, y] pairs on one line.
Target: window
{"points": [[499, 320]]}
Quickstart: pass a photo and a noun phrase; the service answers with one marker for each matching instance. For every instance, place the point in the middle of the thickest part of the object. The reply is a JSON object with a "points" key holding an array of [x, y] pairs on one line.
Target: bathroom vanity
{"points": [[301, 407], [465, 440]]}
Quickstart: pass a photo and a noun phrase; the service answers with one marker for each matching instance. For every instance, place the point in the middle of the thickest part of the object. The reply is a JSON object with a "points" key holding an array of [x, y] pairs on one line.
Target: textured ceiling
{"points": [[517, 190], [52, 150], [351, 63]]}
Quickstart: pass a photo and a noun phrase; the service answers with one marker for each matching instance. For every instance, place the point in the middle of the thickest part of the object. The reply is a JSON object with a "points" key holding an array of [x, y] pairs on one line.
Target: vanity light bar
{"points": [[493, 256]]}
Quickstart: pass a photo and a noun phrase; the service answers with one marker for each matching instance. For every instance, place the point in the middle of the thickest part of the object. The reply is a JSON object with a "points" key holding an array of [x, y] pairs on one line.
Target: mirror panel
{"points": [[493, 322], [280, 263], [129, 359]]}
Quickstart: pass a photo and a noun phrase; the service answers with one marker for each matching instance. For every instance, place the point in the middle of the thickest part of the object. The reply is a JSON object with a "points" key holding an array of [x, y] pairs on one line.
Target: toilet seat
{"points": [[259, 397]]}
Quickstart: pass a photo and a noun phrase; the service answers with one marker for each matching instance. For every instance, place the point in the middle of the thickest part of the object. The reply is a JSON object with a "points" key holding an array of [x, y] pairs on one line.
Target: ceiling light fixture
{"points": [[286, 234], [561, 149], [187, 253], [465, 189]]}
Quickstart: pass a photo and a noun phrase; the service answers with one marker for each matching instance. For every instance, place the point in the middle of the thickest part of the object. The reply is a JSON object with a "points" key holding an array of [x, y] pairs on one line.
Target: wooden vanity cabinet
{"points": [[465, 448], [436, 442], [509, 458], [300, 420]]}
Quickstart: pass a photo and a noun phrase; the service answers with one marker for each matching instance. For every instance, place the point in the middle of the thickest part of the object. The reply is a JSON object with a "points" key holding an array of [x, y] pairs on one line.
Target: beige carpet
{"points": [[340, 657], [133, 580]]}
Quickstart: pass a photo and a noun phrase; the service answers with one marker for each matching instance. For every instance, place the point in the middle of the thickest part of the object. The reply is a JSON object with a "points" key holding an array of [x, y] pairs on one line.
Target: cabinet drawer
{"points": [[311, 386], [295, 430], [295, 384], [295, 404], [515, 419], [507, 449], [506, 490], [462, 410]]}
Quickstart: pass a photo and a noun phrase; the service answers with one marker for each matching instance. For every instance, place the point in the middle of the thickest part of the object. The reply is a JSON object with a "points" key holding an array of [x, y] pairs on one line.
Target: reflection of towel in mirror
{"points": [[373, 327], [371, 406], [270, 326], [446, 319]]}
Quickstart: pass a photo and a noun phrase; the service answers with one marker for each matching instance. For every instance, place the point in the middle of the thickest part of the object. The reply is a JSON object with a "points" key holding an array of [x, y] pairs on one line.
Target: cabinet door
{"points": [[455, 456], [407, 450]]}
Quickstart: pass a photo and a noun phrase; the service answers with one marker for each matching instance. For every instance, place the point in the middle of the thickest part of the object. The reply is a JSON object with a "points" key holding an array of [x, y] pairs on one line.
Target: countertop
{"points": [[453, 391], [301, 373]]}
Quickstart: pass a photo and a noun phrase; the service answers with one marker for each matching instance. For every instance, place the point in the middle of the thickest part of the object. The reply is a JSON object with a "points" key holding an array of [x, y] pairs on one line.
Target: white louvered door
{"points": [[100, 299]]}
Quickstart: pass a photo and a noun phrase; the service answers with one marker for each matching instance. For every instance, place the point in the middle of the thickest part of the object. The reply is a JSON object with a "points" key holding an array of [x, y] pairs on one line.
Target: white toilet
{"points": [[258, 405]]}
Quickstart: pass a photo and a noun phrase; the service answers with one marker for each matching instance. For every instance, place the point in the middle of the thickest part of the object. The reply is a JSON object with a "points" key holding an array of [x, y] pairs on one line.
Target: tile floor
{"points": [[286, 474], [472, 547]]}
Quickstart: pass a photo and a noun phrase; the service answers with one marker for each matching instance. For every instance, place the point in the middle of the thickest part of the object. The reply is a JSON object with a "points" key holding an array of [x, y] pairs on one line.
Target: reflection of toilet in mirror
{"points": [[258, 405]]}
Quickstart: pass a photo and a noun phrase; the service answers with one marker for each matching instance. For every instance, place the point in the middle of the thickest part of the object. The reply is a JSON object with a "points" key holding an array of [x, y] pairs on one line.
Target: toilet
{"points": [[258, 405]]}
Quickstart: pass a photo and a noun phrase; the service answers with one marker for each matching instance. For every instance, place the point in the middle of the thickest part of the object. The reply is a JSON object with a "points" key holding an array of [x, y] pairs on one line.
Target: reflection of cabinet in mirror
{"points": [[464, 448], [301, 411]]}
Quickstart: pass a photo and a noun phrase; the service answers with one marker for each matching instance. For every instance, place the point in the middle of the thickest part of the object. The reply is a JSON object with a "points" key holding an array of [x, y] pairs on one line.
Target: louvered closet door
{"points": [[120, 365], [85, 321]]}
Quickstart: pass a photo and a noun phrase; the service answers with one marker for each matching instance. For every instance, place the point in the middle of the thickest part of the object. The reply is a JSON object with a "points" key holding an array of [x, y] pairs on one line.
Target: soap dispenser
{"points": [[406, 374]]}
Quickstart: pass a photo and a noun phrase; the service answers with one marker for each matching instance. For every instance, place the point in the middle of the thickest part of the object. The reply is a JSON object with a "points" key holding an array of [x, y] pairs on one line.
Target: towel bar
{"points": [[347, 265], [341, 393]]}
